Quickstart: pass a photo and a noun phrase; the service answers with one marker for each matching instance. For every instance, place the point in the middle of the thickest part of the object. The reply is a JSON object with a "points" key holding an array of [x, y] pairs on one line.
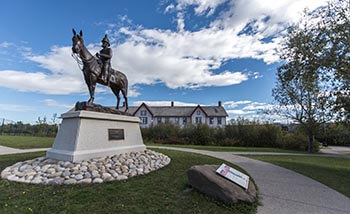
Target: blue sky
{"points": [[187, 51]]}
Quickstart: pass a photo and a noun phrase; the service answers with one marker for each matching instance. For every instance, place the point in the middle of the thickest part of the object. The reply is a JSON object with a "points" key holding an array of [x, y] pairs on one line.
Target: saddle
{"points": [[100, 64]]}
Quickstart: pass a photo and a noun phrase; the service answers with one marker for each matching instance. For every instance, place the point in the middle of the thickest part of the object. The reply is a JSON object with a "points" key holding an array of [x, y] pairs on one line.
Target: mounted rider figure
{"points": [[105, 55]]}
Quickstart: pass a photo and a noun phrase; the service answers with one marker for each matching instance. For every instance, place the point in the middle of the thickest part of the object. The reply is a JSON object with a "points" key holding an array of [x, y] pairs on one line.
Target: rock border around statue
{"points": [[98, 170]]}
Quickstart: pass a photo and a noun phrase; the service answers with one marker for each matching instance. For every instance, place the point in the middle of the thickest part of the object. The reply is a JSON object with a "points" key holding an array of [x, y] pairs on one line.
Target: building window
{"points": [[143, 120], [198, 120], [167, 120], [184, 120], [159, 120], [219, 121], [198, 112], [143, 113], [211, 120], [176, 120]]}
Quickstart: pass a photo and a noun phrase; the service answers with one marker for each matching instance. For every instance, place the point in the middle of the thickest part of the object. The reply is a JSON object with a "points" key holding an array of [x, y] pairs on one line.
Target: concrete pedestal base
{"points": [[84, 135]]}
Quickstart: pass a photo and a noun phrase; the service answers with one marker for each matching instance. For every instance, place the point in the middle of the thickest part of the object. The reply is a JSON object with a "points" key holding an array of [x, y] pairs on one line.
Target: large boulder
{"points": [[205, 179]]}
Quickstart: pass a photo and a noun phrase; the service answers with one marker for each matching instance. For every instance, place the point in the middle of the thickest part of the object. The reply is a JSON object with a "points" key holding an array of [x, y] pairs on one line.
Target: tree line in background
{"points": [[42, 127], [249, 134], [313, 84]]}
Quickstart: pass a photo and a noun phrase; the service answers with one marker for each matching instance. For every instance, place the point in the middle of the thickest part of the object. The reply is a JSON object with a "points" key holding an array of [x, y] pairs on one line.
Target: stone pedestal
{"points": [[85, 134]]}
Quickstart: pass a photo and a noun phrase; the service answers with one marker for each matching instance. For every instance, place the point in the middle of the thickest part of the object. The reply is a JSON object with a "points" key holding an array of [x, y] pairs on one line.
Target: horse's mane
{"points": [[93, 65]]}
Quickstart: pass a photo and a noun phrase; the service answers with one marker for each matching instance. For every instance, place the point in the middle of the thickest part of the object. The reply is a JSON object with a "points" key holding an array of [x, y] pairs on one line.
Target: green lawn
{"points": [[29, 142], [162, 191], [228, 148], [26, 142], [333, 172]]}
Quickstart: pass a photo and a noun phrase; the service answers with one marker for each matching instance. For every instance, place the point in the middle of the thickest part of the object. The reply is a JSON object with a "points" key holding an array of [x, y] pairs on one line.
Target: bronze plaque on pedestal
{"points": [[116, 134]]}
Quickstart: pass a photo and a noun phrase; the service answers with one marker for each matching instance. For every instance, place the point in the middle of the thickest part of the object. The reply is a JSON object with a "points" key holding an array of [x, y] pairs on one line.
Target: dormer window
{"points": [[198, 112], [143, 113]]}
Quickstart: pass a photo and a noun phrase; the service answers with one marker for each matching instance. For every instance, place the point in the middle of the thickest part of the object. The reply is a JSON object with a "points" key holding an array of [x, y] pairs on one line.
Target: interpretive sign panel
{"points": [[116, 134], [233, 175]]}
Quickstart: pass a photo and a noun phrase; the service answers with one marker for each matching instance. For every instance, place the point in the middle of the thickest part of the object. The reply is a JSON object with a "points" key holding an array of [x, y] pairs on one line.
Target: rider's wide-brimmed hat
{"points": [[105, 39]]}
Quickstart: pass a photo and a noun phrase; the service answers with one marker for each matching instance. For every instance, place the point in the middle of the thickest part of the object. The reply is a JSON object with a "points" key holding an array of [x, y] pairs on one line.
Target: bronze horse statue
{"points": [[92, 70]]}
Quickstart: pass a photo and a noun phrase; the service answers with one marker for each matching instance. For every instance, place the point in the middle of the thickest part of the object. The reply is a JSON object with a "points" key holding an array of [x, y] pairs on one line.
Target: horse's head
{"points": [[78, 41]]}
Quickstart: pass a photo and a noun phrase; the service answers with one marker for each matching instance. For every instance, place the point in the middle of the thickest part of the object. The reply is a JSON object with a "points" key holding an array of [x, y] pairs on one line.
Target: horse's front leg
{"points": [[92, 94], [92, 87], [118, 100]]}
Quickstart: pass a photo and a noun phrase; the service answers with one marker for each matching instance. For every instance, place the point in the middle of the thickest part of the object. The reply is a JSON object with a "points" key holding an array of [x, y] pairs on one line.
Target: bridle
{"points": [[79, 59]]}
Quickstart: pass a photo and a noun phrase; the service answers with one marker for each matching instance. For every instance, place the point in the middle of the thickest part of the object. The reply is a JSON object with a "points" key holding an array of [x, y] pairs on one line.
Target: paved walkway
{"points": [[7, 150], [283, 191], [341, 150], [324, 154]]}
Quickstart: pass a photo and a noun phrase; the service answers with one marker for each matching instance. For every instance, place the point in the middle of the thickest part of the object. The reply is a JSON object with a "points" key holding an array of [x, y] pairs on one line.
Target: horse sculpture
{"points": [[92, 72]]}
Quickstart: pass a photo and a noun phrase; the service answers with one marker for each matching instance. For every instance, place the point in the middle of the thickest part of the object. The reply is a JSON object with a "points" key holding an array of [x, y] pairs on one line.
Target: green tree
{"points": [[300, 91], [334, 25]]}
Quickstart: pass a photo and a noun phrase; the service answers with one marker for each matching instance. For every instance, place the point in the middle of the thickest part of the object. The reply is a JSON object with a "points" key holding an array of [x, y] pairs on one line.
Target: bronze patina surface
{"points": [[97, 69], [86, 106]]}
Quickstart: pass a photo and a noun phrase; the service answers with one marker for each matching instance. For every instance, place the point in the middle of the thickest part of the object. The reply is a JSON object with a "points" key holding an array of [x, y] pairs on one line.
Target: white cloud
{"points": [[278, 14], [239, 112], [54, 103], [234, 104], [258, 106], [178, 59], [201, 6], [5, 44], [255, 75], [59, 61], [180, 22], [167, 63], [169, 8], [250, 110], [41, 82]]}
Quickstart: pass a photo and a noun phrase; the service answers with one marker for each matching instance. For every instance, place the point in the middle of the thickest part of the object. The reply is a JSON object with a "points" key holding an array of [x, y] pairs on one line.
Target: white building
{"points": [[214, 116]]}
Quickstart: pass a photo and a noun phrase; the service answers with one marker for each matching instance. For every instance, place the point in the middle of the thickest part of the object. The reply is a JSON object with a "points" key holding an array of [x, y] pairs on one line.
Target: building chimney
{"points": [[172, 103], [219, 104]]}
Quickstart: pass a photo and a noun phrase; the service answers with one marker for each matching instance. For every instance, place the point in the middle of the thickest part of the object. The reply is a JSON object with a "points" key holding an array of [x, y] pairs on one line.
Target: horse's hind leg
{"points": [[116, 93], [125, 99]]}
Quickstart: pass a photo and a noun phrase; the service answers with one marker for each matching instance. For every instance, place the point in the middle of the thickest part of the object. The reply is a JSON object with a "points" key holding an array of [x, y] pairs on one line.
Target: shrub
{"points": [[334, 134], [294, 141], [161, 132], [297, 142], [201, 135], [269, 134], [231, 142], [265, 135]]}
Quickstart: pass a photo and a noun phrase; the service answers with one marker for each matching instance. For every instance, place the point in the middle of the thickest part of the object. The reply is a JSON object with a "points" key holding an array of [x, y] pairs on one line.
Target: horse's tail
{"points": [[126, 84], [120, 76]]}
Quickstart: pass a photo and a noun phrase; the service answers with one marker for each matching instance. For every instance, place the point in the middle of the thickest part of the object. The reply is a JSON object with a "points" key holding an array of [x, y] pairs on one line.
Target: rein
{"points": [[81, 60], [78, 60]]}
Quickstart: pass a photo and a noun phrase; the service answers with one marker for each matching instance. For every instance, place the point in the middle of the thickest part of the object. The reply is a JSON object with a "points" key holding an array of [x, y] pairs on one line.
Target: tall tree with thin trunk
{"points": [[334, 24], [300, 91]]}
